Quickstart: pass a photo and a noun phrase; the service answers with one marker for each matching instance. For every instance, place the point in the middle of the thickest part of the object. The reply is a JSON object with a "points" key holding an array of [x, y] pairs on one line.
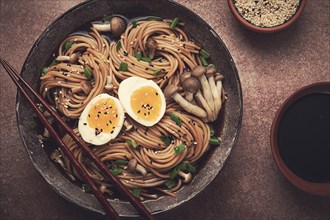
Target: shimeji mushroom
{"points": [[117, 26], [108, 86], [185, 75], [134, 166], [191, 85], [86, 86], [171, 92], [56, 156], [215, 93], [187, 177], [151, 45], [73, 58], [199, 72], [218, 79], [128, 126], [202, 102]]}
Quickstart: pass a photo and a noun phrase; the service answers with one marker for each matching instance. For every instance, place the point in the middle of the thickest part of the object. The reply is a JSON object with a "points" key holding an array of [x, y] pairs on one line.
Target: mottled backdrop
{"points": [[250, 186]]}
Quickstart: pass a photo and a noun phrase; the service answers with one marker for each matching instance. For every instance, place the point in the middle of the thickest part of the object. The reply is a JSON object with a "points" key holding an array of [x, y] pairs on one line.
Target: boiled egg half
{"points": [[142, 100], [101, 120]]}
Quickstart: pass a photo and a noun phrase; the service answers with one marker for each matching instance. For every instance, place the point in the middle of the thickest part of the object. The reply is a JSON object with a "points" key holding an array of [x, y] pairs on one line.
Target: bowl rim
{"points": [[320, 189], [258, 29]]}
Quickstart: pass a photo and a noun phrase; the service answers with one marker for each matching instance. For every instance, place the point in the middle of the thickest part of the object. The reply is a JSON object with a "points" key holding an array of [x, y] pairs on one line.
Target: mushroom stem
{"points": [[86, 87], [186, 176], [215, 93], [102, 27], [108, 86], [56, 156], [189, 96], [141, 169], [202, 102], [127, 125], [73, 58]]}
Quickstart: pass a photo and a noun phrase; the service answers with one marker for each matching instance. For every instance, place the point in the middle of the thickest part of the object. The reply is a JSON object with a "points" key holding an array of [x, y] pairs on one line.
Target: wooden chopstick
{"points": [[136, 203]]}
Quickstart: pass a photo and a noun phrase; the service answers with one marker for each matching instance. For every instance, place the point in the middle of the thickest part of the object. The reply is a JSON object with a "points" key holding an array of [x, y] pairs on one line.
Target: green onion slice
{"points": [[211, 66], [86, 188], [170, 184], [154, 19], [215, 141], [121, 162], [204, 54], [44, 71], [174, 173], [175, 118], [135, 23], [55, 62], [123, 66], [211, 130], [68, 45], [116, 171], [190, 168], [158, 71], [32, 125], [166, 139], [146, 59], [178, 149], [88, 72], [174, 23], [138, 56], [203, 61], [107, 18], [132, 143], [118, 46], [137, 192]]}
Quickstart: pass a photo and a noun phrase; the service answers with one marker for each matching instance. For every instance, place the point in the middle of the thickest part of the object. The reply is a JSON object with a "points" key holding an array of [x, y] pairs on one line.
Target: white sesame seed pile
{"points": [[267, 13]]}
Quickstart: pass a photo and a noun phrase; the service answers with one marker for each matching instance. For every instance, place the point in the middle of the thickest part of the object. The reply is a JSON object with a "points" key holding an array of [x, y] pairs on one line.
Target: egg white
{"points": [[125, 91], [88, 133]]}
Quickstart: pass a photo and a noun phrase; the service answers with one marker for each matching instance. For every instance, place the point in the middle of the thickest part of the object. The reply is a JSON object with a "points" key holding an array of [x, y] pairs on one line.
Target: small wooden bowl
{"points": [[320, 189], [259, 29]]}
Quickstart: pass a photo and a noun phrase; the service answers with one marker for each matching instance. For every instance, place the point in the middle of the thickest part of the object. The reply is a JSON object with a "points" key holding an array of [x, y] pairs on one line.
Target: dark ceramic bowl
{"points": [[79, 17], [259, 29], [315, 188]]}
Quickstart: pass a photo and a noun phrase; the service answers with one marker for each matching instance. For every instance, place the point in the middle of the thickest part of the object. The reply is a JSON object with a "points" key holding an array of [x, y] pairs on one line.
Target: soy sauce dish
{"points": [[300, 139]]}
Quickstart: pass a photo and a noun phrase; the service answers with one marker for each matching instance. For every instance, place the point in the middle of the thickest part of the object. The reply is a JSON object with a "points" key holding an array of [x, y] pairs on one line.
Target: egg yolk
{"points": [[103, 116], [146, 103]]}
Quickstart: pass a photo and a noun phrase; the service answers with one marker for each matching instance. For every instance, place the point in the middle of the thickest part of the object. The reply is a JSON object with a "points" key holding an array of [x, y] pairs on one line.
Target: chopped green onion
{"points": [[178, 149], [166, 139], [170, 184], [68, 45], [44, 71], [32, 125], [137, 192], [190, 168], [88, 72], [138, 56], [55, 62], [146, 59], [118, 46], [86, 188], [158, 71], [215, 141], [175, 118], [174, 23], [116, 171], [154, 19], [134, 23], [132, 143], [121, 162], [203, 61], [123, 66], [211, 130], [174, 173], [204, 54], [211, 66], [107, 18]]}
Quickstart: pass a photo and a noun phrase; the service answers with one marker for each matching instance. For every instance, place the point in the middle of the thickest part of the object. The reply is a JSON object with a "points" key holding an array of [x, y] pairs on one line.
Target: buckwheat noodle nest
{"points": [[62, 86]]}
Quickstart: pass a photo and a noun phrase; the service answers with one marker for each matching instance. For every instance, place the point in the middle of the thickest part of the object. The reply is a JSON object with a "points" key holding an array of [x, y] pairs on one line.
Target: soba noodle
{"points": [[62, 86]]}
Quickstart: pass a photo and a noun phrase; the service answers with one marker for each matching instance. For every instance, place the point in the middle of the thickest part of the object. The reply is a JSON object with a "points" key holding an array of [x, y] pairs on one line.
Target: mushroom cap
{"points": [[185, 75], [73, 58], [188, 178], [198, 71], [151, 43], [170, 90], [132, 164], [192, 85], [210, 71], [118, 26], [218, 77]]}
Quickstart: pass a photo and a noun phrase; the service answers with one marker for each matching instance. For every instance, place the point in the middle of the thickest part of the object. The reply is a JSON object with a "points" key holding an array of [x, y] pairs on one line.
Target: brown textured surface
{"points": [[250, 186]]}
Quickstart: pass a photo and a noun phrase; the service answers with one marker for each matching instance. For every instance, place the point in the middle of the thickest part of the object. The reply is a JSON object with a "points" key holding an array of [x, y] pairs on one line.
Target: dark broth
{"points": [[304, 137]]}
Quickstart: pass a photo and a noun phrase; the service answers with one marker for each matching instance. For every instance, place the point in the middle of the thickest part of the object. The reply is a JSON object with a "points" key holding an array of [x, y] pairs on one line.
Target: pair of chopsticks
{"points": [[136, 203]]}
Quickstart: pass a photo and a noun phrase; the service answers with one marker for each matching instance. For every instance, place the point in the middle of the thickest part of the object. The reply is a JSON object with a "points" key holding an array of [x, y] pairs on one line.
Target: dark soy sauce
{"points": [[304, 137]]}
